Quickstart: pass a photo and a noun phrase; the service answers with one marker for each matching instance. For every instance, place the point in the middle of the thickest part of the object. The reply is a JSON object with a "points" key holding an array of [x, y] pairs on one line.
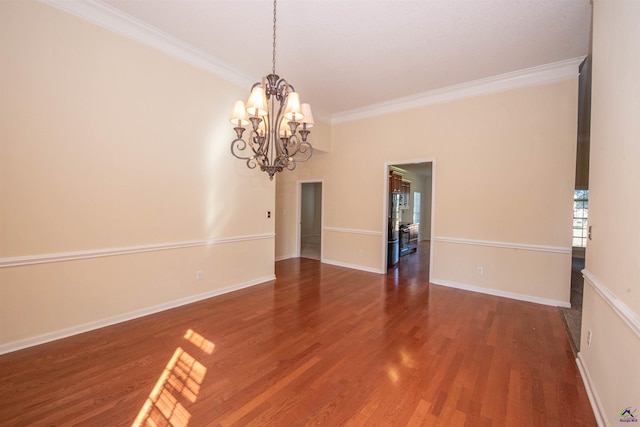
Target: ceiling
{"points": [[343, 55], [423, 168]]}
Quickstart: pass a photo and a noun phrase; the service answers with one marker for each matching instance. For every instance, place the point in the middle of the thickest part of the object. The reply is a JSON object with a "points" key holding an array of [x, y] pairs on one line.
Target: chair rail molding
{"points": [[353, 231], [97, 253], [506, 245], [629, 317]]}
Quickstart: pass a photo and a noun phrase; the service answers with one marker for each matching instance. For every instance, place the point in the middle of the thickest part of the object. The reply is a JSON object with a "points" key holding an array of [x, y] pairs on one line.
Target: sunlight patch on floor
{"points": [[200, 341], [180, 380]]}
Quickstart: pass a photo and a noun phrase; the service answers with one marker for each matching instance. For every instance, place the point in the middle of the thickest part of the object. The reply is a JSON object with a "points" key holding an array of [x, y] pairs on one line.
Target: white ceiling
{"points": [[343, 55]]}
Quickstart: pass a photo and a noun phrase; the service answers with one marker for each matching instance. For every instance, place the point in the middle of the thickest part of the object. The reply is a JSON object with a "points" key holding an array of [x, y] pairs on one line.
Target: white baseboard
{"points": [[353, 266], [499, 293], [283, 257], [596, 405], [86, 327]]}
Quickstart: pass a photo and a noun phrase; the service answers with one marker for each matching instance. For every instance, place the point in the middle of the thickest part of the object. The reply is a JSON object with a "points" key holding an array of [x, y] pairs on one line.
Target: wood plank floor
{"points": [[321, 345]]}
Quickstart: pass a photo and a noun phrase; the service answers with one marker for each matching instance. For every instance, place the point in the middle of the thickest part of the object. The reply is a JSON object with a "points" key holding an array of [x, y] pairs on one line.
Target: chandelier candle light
{"points": [[280, 124]]}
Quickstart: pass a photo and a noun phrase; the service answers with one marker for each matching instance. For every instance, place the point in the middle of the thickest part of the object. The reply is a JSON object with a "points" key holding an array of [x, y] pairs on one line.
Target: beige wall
{"points": [[504, 173], [612, 287], [109, 146], [287, 184], [286, 216]]}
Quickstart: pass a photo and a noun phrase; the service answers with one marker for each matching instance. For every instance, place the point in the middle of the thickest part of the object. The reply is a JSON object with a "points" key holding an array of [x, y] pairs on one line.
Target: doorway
{"points": [[310, 211], [573, 315], [415, 214]]}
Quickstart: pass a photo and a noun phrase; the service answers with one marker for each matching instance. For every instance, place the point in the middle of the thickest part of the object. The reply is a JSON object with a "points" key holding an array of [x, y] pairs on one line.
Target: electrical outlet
{"points": [[480, 270], [268, 214], [199, 275], [589, 336], [360, 252]]}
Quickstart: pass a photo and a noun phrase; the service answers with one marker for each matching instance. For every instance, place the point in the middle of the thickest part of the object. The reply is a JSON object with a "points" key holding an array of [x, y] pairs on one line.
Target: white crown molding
{"points": [[114, 20], [506, 245], [548, 73], [99, 253], [627, 315], [499, 293], [353, 231], [120, 23], [75, 330]]}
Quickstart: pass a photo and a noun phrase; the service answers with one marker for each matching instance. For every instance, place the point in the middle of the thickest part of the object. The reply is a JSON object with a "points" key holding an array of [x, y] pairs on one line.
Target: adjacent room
{"points": [[384, 230]]}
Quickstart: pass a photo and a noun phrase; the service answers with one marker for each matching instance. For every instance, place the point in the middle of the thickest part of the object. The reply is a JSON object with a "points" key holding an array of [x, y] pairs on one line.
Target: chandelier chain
{"points": [[273, 58]]}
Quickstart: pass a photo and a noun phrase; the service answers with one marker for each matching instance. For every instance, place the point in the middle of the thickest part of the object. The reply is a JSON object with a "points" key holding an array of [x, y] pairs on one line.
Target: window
{"points": [[416, 207], [580, 216]]}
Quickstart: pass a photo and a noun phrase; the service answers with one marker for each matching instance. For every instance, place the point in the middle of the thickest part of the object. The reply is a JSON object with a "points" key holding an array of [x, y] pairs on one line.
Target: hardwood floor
{"points": [[321, 345]]}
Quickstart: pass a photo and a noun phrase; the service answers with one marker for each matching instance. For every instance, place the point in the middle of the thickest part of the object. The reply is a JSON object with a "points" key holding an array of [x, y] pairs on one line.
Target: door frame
{"points": [[385, 206], [299, 215]]}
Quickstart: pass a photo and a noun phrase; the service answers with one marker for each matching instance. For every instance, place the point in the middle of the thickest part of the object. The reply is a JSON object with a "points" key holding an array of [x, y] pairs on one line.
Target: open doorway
{"points": [[409, 209], [573, 315], [310, 213]]}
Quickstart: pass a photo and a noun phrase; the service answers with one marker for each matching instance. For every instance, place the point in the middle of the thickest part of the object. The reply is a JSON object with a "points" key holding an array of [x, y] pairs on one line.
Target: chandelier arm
{"points": [[283, 88], [278, 144], [303, 148], [241, 145], [255, 142], [294, 162], [263, 148], [256, 146], [291, 166], [293, 145], [271, 130], [251, 163]]}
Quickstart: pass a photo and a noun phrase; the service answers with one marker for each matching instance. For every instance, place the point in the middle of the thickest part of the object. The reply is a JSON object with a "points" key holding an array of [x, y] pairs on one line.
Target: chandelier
{"points": [[279, 123]]}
